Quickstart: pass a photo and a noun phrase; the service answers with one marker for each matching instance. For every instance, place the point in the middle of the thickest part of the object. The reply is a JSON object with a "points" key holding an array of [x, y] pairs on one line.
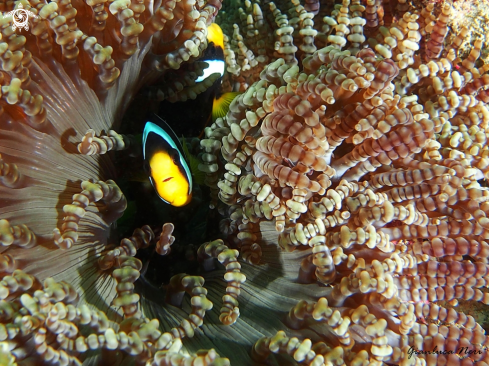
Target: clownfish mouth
{"points": [[167, 179]]}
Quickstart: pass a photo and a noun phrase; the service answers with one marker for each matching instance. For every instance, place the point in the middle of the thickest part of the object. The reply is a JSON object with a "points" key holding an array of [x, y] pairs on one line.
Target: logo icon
{"points": [[20, 17]]}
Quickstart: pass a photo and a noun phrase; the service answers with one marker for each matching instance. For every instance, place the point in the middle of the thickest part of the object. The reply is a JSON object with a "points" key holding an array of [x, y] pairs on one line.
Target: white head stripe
{"points": [[215, 66]]}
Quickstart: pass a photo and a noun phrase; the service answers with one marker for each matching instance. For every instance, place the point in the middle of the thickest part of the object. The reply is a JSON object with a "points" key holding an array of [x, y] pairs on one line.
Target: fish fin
{"points": [[198, 175], [220, 106]]}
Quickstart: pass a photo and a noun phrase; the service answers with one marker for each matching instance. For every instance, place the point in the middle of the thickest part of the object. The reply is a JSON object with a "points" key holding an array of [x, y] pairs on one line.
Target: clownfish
{"points": [[214, 56], [165, 164], [195, 114], [214, 53]]}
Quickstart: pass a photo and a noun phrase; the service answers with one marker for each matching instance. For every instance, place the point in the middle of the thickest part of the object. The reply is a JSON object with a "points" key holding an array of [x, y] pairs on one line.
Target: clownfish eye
{"points": [[175, 156]]}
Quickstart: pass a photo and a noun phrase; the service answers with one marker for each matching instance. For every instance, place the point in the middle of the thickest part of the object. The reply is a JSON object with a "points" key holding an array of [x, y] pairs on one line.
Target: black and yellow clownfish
{"points": [[195, 114], [165, 163], [214, 56], [214, 53]]}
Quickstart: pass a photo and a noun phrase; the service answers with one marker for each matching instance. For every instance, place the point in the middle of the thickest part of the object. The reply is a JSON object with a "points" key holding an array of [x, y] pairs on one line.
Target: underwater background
{"points": [[339, 202]]}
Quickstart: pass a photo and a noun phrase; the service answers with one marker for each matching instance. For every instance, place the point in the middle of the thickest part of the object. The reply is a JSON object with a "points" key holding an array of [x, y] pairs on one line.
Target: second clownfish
{"points": [[214, 56], [193, 115], [165, 163]]}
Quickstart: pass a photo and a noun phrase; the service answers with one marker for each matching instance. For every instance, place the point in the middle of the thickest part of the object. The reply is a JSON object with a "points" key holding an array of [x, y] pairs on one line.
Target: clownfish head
{"points": [[165, 164]]}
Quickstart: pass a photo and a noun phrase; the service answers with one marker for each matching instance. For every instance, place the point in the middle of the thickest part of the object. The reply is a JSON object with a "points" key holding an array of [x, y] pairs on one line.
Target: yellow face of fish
{"points": [[168, 180]]}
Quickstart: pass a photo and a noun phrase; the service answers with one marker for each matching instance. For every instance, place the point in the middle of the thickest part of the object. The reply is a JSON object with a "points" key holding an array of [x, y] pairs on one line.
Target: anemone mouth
{"points": [[167, 179]]}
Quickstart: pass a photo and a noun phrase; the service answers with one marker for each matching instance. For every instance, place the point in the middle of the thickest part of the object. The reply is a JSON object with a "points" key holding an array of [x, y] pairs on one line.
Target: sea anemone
{"points": [[348, 173]]}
